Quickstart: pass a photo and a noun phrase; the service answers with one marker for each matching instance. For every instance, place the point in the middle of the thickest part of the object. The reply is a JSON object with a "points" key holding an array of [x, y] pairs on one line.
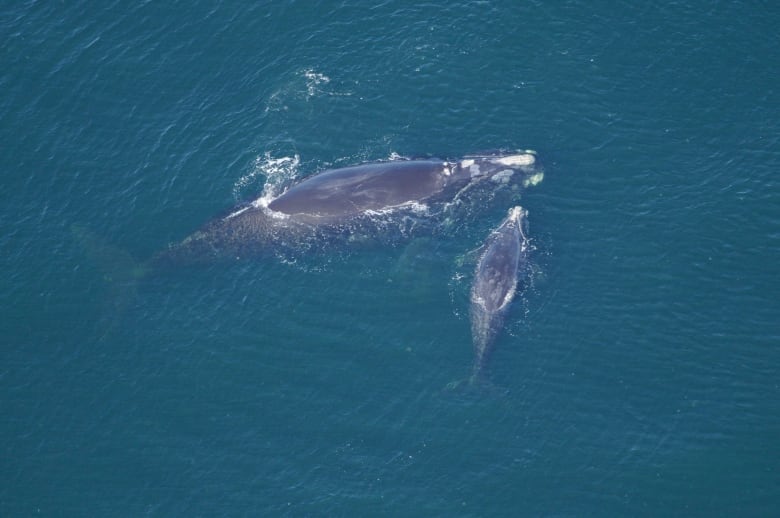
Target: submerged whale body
{"points": [[501, 265], [338, 200]]}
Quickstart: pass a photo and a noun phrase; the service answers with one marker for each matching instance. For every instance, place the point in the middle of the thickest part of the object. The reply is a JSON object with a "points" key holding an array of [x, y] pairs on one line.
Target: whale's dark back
{"points": [[496, 276], [352, 190]]}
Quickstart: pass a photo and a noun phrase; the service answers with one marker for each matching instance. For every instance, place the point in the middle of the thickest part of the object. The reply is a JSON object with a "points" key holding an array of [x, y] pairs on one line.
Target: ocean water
{"points": [[637, 374]]}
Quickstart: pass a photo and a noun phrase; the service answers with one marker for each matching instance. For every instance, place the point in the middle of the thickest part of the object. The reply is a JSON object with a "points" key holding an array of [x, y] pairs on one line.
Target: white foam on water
{"points": [[277, 172], [313, 81], [414, 206], [301, 86], [236, 213]]}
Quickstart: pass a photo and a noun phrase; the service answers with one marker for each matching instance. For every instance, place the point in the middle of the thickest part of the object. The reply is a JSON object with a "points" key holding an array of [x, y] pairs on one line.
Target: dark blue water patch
{"points": [[636, 375]]}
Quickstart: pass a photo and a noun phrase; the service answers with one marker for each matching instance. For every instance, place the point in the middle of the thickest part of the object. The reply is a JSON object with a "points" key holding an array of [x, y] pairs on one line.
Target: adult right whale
{"points": [[337, 201], [503, 262]]}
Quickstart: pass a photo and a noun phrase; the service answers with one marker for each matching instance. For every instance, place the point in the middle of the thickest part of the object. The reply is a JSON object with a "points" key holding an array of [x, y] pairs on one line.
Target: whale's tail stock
{"points": [[120, 273], [478, 384]]}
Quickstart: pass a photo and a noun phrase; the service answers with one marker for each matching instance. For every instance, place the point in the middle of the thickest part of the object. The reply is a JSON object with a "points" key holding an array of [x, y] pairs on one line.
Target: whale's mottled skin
{"points": [[503, 262], [332, 200]]}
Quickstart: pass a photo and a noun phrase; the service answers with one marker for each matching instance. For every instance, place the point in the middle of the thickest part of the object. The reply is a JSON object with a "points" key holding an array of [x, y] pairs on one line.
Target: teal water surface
{"points": [[637, 375]]}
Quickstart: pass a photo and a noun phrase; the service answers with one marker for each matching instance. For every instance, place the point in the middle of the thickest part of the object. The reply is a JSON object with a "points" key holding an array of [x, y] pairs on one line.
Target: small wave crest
{"points": [[303, 86]]}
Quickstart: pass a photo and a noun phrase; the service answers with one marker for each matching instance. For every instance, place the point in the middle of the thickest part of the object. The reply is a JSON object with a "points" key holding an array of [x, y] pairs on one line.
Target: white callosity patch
{"points": [[466, 163], [515, 213], [525, 159], [503, 176], [534, 179]]}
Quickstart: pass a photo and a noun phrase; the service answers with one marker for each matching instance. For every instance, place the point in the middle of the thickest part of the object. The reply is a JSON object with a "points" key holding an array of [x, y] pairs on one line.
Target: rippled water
{"points": [[637, 375]]}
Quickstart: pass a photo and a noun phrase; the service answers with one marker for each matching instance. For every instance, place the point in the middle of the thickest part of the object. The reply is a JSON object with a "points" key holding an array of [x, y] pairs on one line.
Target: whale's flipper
{"points": [[120, 271]]}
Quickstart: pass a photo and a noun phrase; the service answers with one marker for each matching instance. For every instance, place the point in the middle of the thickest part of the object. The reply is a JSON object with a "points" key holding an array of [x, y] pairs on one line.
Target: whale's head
{"points": [[517, 214], [502, 168], [517, 218]]}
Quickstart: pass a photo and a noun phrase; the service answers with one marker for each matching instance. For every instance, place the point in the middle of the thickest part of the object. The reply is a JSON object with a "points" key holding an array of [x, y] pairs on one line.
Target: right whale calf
{"points": [[503, 262]]}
